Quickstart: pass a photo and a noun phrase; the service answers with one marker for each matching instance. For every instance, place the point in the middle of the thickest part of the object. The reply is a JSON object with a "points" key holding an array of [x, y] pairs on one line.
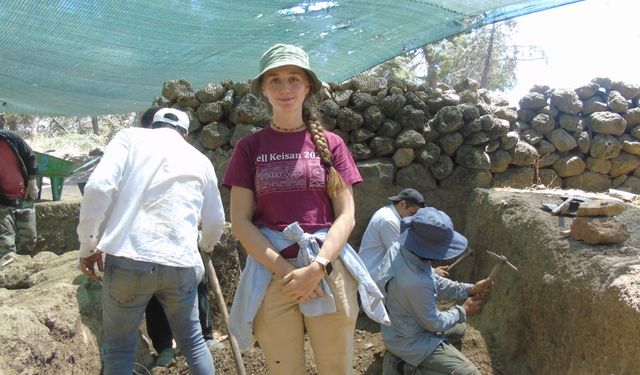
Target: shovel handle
{"points": [[217, 291]]}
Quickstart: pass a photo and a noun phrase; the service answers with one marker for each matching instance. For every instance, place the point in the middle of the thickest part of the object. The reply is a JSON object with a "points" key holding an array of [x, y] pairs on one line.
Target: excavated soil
{"points": [[571, 309]]}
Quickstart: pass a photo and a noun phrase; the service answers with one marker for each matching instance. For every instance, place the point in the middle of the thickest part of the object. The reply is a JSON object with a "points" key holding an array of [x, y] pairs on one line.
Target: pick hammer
{"points": [[502, 261]]}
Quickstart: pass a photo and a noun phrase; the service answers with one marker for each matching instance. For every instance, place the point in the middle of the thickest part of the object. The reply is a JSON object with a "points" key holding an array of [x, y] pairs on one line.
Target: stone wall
{"points": [[426, 137]]}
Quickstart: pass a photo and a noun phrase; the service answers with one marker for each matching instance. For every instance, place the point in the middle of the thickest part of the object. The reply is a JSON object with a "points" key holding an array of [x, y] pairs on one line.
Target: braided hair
{"points": [[335, 183], [310, 116]]}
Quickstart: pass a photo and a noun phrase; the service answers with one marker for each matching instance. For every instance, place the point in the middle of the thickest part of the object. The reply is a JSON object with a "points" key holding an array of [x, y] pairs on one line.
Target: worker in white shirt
{"points": [[384, 228], [141, 209]]}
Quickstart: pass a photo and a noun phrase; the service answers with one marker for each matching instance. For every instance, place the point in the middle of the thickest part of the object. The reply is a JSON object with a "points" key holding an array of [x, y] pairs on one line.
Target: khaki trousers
{"points": [[279, 327]]}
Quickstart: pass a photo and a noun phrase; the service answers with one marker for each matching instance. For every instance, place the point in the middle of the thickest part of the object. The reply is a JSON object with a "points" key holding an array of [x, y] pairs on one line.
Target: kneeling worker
{"points": [[418, 341]]}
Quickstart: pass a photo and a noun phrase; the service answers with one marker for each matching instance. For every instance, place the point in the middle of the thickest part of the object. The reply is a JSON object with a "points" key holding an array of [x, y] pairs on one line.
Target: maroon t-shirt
{"points": [[288, 178], [11, 179]]}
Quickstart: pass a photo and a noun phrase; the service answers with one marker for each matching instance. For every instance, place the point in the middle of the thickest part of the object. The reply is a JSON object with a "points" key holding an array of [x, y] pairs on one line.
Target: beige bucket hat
{"points": [[281, 55]]}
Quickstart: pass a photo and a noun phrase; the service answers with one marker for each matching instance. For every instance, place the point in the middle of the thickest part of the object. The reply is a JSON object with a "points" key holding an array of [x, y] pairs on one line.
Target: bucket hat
{"points": [[429, 234], [281, 55], [172, 116], [410, 195]]}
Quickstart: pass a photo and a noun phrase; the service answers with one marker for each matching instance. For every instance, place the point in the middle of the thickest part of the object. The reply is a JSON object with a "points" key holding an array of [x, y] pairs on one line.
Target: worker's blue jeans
{"points": [[128, 286]]}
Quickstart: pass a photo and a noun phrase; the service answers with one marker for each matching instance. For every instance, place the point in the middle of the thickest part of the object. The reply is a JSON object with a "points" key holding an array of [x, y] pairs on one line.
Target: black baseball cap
{"points": [[409, 195]]}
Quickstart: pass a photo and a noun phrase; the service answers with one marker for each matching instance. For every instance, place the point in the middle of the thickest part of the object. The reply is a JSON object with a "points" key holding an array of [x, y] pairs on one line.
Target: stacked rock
{"points": [[588, 136], [425, 137]]}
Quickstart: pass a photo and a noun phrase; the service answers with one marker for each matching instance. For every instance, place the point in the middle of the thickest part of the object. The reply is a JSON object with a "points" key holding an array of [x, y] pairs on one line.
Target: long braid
{"points": [[335, 183]]}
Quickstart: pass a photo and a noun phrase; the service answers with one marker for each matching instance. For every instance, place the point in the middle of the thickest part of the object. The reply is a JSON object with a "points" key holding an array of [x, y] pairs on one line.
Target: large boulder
{"points": [[562, 140], [411, 118], [566, 101], [416, 176], [605, 146], [607, 123], [215, 135], [569, 165], [523, 155], [349, 120], [589, 181], [617, 102], [449, 119], [250, 110], [533, 100], [517, 177], [464, 177], [472, 158], [210, 93]]}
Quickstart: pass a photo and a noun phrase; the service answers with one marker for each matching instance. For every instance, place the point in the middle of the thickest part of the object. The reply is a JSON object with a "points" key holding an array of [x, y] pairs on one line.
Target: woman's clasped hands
{"points": [[303, 284]]}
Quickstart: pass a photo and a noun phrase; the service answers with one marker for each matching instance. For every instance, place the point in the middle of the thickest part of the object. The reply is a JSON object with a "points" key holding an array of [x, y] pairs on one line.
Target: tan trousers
{"points": [[279, 327]]}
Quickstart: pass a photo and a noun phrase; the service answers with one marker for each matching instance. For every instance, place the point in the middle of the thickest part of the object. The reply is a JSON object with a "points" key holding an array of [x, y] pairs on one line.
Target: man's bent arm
{"points": [[98, 193], [212, 215], [424, 309]]}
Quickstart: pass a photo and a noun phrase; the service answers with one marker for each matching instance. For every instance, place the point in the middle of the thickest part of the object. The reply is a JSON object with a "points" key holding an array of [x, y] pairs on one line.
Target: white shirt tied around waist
{"points": [[255, 280], [145, 199]]}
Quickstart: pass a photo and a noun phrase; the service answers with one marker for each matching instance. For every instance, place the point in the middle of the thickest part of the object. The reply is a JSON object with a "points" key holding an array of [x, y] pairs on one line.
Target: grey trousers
{"points": [[17, 228], [446, 359]]}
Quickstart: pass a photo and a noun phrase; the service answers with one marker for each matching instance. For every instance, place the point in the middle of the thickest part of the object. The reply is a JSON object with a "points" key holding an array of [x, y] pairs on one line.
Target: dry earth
{"points": [[547, 319], [367, 359]]}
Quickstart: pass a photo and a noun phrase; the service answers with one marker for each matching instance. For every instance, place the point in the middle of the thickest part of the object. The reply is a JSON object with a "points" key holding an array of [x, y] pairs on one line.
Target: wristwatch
{"points": [[325, 263]]}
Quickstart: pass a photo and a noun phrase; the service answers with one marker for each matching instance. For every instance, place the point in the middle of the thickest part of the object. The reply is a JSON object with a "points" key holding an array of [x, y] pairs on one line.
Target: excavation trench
{"points": [[571, 309]]}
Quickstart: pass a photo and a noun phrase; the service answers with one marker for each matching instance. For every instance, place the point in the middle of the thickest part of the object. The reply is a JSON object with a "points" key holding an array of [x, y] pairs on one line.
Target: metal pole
{"points": [[217, 291]]}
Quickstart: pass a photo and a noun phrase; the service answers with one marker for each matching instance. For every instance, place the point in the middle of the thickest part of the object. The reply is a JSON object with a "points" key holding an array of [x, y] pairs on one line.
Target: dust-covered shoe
{"points": [[164, 358], [214, 345]]}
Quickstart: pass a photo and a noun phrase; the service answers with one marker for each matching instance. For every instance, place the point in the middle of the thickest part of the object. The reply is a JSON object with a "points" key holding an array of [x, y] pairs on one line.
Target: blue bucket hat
{"points": [[429, 234], [281, 55]]}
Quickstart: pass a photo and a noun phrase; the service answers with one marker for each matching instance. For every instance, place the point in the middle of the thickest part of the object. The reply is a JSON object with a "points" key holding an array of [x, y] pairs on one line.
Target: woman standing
{"points": [[292, 209]]}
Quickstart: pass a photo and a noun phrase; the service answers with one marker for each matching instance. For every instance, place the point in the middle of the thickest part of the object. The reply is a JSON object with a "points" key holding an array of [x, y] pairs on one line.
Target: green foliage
{"points": [[66, 135], [484, 54], [74, 144], [465, 56]]}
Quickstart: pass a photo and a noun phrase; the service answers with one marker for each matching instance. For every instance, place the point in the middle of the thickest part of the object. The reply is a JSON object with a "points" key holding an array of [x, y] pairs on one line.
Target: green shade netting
{"points": [[88, 57]]}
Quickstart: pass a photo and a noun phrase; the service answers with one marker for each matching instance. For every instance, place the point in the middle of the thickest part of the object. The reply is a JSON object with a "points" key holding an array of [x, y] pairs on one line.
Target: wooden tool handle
{"points": [[457, 261], [494, 271], [217, 291]]}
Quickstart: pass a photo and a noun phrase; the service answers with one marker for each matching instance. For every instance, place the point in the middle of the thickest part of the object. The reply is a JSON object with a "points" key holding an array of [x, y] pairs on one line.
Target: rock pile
{"points": [[426, 137]]}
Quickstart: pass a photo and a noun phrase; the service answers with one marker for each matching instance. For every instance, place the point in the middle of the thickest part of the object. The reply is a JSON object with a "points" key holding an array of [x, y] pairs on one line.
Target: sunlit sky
{"points": [[593, 38]]}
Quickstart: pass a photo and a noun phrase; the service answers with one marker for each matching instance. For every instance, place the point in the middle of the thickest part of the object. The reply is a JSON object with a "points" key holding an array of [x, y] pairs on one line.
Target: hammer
{"points": [[460, 259], [497, 267]]}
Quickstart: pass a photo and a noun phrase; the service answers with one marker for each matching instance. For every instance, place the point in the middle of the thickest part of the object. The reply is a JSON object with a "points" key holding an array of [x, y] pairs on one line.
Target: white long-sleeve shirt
{"points": [[382, 231], [145, 199]]}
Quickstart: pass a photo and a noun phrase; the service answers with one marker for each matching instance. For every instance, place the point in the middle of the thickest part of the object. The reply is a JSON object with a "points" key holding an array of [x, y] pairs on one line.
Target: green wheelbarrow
{"points": [[57, 170]]}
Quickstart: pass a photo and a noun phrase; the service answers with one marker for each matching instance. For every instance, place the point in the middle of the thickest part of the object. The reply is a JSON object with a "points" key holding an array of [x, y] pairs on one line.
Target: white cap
{"points": [[182, 118]]}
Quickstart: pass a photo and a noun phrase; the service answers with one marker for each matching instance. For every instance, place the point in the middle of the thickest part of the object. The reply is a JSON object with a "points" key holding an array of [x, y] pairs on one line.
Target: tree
{"points": [[483, 54], [94, 125]]}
